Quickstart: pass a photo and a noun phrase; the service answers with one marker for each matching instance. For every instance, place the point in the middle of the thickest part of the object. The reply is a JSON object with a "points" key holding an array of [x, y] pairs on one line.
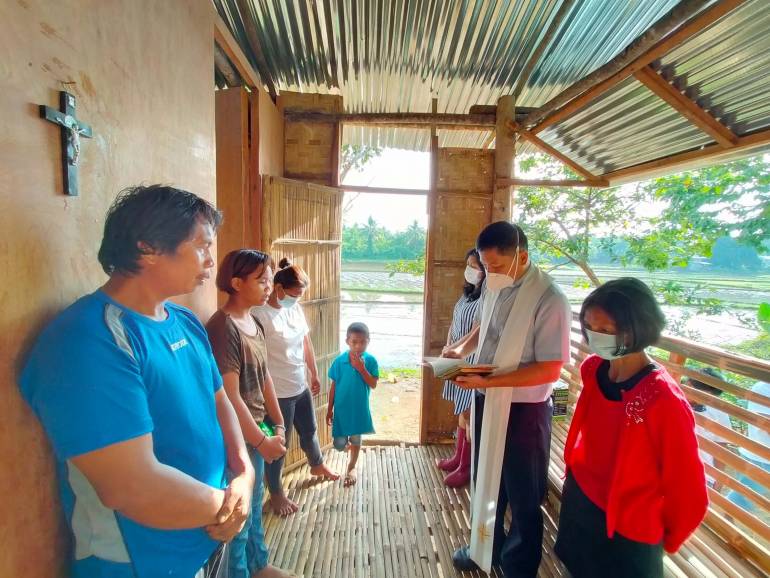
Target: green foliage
{"points": [[412, 266], [763, 317], [374, 242], [701, 206], [720, 212], [563, 222]]}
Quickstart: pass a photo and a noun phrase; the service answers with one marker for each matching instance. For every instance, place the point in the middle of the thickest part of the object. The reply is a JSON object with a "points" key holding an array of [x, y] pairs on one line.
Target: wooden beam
{"points": [[686, 107], [225, 67], [598, 183], [383, 190], [400, 119], [489, 140], [229, 45], [657, 41], [548, 149], [690, 160]]}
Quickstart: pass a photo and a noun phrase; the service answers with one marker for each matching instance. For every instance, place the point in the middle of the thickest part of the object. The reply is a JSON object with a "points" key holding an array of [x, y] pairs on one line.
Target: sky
{"points": [[396, 169]]}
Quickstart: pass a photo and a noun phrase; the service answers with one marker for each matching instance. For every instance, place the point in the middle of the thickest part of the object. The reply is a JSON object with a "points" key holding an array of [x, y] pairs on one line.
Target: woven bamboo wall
{"points": [[310, 147], [303, 222], [461, 207]]}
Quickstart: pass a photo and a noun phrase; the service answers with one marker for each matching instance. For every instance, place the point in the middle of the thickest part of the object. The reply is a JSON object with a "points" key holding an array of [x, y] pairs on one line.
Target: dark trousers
{"points": [[523, 486], [297, 411]]}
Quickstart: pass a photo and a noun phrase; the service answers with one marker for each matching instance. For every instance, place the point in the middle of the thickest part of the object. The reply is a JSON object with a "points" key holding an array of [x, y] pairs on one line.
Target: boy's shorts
{"points": [[341, 442]]}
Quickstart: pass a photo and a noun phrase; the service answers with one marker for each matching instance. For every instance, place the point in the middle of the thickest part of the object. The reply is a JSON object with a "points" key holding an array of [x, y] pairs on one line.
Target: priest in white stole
{"points": [[524, 329]]}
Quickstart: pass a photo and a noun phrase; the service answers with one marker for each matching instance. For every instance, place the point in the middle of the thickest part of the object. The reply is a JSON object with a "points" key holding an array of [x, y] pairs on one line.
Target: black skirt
{"points": [[584, 548]]}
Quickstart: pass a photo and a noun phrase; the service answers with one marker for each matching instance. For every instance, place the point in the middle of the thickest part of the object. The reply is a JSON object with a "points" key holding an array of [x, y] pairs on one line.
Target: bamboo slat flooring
{"points": [[398, 521]]}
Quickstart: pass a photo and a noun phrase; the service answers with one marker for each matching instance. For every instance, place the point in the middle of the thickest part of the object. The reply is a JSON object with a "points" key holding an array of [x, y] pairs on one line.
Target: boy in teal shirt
{"points": [[353, 375]]}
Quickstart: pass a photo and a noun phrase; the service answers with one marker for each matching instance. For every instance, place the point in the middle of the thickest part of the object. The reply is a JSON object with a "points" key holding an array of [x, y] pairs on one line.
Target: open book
{"points": [[446, 368]]}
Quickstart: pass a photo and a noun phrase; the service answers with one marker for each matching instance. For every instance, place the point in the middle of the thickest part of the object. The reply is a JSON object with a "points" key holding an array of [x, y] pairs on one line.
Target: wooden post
{"points": [[427, 374], [336, 155], [679, 359], [505, 156]]}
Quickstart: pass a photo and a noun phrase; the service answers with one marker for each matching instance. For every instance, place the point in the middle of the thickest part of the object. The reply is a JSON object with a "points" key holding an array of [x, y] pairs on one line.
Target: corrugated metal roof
{"points": [[626, 126], [396, 55], [725, 68]]}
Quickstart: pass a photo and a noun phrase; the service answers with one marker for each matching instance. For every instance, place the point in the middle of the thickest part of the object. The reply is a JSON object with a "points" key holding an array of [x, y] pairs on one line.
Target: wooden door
{"points": [[459, 206], [303, 221]]}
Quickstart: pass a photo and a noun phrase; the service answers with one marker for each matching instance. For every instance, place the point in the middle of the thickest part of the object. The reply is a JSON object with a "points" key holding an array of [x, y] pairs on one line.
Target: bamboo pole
{"points": [[383, 190], [690, 160], [505, 156], [598, 183], [443, 121]]}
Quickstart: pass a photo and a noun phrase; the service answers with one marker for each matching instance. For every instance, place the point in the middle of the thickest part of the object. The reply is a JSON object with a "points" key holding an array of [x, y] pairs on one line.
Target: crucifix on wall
{"points": [[71, 131]]}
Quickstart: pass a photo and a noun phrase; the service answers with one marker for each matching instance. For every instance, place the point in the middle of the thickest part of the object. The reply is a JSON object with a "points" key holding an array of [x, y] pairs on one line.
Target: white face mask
{"points": [[288, 302], [472, 276], [604, 345], [498, 281]]}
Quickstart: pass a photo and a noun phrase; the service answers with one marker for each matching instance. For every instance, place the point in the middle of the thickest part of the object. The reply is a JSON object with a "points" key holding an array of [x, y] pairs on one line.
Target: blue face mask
{"points": [[604, 345], [288, 302]]}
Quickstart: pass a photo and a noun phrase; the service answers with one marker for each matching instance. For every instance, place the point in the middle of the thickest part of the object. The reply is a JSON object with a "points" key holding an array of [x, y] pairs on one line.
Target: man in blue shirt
{"points": [[130, 397]]}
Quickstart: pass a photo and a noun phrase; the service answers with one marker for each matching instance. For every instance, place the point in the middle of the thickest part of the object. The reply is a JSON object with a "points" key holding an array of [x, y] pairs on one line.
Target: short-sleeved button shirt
{"points": [[352, 415], [100, 374], [547, 337]]}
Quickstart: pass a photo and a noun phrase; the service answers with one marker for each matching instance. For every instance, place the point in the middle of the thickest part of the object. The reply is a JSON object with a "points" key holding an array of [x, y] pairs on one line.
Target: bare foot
{"points": [[324, 472], [350, 478], [271, 572], [282, 506]]}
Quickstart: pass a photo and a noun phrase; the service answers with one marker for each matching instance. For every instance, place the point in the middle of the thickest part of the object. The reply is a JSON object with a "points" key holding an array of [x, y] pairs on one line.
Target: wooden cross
{"points": [[71, 131]]}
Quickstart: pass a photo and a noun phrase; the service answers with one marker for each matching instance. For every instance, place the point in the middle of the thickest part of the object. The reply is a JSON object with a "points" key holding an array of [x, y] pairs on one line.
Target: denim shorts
{"points": [[341, 442]]}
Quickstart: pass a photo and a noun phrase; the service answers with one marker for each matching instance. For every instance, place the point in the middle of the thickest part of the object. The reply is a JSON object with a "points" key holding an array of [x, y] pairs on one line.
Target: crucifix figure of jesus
{"points": [[71, 131]]}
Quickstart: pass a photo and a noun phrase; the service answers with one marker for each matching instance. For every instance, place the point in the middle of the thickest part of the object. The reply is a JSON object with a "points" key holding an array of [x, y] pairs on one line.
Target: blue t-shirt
{"points": [[352, 415], [100, 374]]}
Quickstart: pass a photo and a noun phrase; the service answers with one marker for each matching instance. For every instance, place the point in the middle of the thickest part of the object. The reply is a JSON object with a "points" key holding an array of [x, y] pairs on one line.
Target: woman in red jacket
{"points": [[635, 484]]}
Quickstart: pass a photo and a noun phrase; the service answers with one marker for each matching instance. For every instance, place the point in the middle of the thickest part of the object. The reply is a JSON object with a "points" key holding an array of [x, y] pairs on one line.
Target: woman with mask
{"points": [[635, 484], [458, 466], [290, 358]]}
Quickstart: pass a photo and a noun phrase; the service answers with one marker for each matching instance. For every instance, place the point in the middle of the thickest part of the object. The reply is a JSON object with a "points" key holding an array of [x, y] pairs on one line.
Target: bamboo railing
{"points": [[747, 531]]}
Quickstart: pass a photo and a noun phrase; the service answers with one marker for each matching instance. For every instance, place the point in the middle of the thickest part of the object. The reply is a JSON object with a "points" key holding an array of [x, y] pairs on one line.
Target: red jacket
{"points": [[658, 486]]}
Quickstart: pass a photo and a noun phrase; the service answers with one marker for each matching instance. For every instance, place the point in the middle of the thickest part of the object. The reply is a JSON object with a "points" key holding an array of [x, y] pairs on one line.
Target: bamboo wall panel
{"points": [[309, 152], [468, 170], [303, 222], [460, 207]]}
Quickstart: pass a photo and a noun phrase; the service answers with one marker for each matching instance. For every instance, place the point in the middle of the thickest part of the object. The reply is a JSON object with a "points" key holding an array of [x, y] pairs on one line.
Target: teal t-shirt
{"points": [[352, 415], [100, 374]]}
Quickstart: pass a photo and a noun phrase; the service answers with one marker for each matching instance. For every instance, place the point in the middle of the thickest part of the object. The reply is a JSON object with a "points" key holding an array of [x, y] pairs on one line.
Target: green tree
{"points": [[698, 207], [564, 222], [356, 157], [701, 206]]}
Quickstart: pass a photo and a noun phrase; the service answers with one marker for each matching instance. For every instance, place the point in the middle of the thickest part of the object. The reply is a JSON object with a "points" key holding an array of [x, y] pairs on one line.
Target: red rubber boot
{"points": [[450, 464], [462, 475]]}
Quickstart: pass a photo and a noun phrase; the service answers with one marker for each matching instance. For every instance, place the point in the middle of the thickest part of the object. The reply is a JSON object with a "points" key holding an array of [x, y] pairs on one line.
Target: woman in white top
{"points": [[290, 358]]}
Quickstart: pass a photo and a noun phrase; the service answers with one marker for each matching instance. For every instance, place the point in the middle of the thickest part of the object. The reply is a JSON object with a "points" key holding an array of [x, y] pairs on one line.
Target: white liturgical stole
{"points": [[497, 408]]}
